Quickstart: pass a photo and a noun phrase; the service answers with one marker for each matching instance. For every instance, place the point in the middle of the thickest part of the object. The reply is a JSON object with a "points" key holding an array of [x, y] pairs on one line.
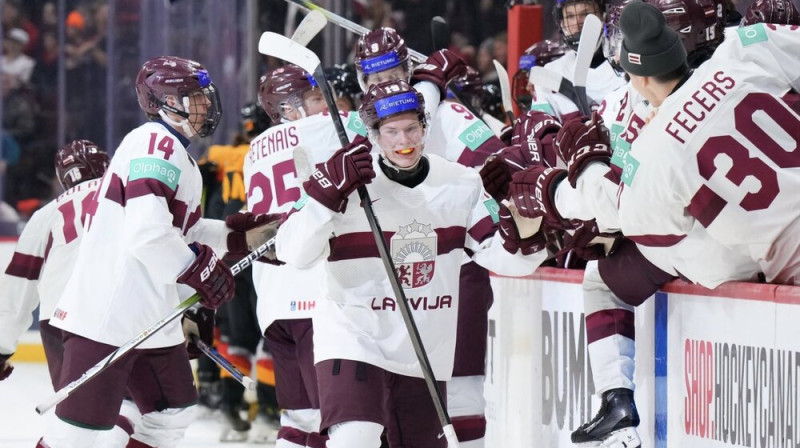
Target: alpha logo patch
{"points": [[413, 251], [152, 168]]}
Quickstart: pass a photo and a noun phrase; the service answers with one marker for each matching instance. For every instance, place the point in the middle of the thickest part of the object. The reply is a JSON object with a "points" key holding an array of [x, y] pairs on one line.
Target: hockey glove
{"points": [[209, 276], [440, 68], [591, 244], [5, 367], [519, 233], [505, 134], [581, 142], [498, 168], [533, 193], [333, 181], [539, 130], [249, 232], [198, 323]]}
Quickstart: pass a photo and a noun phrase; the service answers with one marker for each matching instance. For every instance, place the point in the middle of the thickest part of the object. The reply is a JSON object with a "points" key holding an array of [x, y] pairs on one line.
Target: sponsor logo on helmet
{"points": [[173, 81], [396, 104], [526, 61], [203, 78], [380, 63], [413, 251]]}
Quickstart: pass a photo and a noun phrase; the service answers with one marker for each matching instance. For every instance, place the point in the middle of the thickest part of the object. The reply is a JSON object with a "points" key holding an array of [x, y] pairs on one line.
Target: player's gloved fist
{"points": [[440, 68], [349, 168], [533, 193], [249, 231], [591, 244], [198, 323], [496, 176], [209, 276], [518, 232], [5, 367], [539, 126], [581, 142], [505, 134]]}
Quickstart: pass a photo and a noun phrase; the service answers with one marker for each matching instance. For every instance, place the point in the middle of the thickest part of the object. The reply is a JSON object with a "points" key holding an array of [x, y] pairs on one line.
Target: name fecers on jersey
{"points": [[702, 101]]}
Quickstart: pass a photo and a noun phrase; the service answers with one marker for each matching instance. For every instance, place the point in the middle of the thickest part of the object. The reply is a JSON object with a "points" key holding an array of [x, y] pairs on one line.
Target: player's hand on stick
{"points": [[5, 367], [198, 323], [583, 141], [533, 193], [348, 169], [440, 68], [209, 276], [249, 231], [518, 232]]}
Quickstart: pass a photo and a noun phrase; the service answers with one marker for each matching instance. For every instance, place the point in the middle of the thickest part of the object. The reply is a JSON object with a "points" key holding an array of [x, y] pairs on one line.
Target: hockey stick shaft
{"points": [[223, 362], [278, 46], [505, 90], [137, 340]]}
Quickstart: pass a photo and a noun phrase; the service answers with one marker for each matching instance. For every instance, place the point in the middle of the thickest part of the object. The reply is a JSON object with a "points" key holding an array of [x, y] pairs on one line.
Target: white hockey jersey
{"points": [[601, 81], [272, 185], [458, 135], [42, 262], [722, 152], [429, 228], [136, 242]]}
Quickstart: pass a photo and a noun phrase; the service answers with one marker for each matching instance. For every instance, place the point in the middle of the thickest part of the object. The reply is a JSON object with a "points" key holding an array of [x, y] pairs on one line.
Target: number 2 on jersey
{"points": [[281, 194], [707, 204]]}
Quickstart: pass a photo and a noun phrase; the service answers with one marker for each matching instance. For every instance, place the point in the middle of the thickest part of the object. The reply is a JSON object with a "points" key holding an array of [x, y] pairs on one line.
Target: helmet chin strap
{"points": [[183, 124]]}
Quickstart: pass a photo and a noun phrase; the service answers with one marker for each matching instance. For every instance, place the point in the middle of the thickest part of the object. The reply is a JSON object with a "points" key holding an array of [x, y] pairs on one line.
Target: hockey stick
{"points": [[134, 342], [309, 27], [505, 90], [440, 35], [590, 36], [278, 46], [223, 362]]}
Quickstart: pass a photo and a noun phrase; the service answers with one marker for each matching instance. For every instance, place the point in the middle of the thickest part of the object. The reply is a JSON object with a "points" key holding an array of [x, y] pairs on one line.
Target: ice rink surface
{"points": [[21, 427]]}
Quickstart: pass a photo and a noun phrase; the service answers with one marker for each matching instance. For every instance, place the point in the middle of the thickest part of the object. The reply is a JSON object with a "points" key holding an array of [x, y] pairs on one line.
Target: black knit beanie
{"points": [[649, 46]]}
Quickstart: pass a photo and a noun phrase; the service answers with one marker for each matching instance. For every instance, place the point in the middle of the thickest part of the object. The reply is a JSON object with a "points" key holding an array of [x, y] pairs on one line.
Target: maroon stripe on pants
{"points": [[293, 435], [25, 266], [470, 427], [605, 323]]}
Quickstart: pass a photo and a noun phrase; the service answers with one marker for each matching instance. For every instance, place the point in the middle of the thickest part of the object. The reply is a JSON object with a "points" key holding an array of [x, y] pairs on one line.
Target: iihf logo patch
{"points": [[635, 58], [413, 252]]}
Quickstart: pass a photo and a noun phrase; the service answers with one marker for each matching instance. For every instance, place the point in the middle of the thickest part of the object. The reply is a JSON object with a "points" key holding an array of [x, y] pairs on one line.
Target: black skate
{"points": [[234, 427], [615, 424]]}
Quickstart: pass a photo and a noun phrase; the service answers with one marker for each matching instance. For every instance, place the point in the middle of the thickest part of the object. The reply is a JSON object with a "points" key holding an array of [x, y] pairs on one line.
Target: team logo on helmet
{"points": [[413, 251]]}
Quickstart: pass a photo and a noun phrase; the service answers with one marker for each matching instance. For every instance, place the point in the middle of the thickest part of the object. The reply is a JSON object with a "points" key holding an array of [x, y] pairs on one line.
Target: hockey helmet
{"points": [[79, 161]]}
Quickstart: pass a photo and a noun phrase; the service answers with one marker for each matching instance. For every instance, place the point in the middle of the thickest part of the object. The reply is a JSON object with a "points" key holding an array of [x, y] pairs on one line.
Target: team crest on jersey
{"points": [[414, 254]]}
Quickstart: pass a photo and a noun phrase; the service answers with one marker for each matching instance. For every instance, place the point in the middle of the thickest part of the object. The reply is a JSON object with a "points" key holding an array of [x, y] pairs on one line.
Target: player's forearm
{"points": [[303, 239], [593, 198], [18, 299]]}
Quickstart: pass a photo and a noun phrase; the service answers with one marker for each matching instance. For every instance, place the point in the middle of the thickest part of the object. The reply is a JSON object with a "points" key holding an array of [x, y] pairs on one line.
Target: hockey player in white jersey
{"points": [[457, 135], [287, 296], [569, 16], [146, 248], [433, 211], [723, 111]]}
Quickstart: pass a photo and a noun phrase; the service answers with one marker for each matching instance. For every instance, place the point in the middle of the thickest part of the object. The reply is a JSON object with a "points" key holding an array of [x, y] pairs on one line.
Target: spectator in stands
{"points": [[14, 63], [14, 17]]}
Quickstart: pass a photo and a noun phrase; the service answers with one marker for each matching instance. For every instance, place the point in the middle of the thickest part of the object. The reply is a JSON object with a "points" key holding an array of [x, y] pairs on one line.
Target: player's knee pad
{"points": [[60, 434], [351, 434], [306, 420], [129, 417], [465, 396], [164, 429]]}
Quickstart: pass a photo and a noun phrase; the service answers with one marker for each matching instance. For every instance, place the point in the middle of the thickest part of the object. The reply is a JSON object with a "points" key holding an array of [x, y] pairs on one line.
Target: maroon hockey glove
{"points": [[498, 169], [505, 135], [591, 244], [5, 367], [533, 193], [209, 276], [249, 232], [539, 130], [440, 68], [513, 240], [198, 323], [581, 142], [333, 181]]}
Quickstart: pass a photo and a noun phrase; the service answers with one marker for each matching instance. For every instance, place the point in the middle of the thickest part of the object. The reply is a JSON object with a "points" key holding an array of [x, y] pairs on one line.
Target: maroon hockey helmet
{"points": [[572, 40], [170, 75], [778, 12], [282, 87], [388, 99], [79, 161], [612, 36], [538, 54], [471, 86], [380, 50], [697, 23]]}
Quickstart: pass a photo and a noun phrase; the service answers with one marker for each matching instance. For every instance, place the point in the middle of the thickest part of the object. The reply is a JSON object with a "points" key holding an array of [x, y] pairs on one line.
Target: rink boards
{"points": [[713, 368]]}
